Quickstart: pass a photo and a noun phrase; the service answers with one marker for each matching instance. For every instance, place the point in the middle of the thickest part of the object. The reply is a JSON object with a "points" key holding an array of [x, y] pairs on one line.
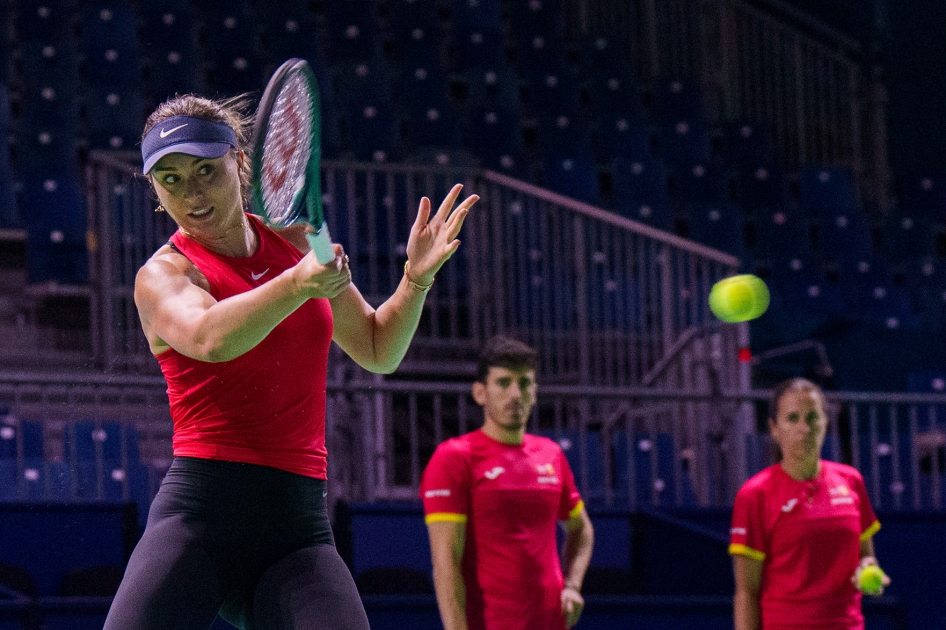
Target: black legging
{"points": [[251, 543]]}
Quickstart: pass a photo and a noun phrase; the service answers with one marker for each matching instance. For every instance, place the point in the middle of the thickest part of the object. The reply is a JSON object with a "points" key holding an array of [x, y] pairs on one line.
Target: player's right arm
{"points": [[746, 601], [447, 540], [748, 549], [177, 310]]}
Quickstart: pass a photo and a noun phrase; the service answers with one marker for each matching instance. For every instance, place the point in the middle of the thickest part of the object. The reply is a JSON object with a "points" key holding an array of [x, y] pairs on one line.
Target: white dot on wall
{"points": [[230, 22], [883, 449], [174, 57], [50, 185], [292, 26], [7, 433], [111, 54], [645, 445], [118, 474], [31, 474], [168, 19]]}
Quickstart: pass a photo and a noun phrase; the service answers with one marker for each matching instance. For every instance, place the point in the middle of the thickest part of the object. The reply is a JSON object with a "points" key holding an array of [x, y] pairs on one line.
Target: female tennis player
{"points": [[801, 529], [240, 318]]}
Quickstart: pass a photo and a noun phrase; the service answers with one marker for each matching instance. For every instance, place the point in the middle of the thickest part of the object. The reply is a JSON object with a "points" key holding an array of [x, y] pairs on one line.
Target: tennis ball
{"points": [[739, 298], [872, 578]]}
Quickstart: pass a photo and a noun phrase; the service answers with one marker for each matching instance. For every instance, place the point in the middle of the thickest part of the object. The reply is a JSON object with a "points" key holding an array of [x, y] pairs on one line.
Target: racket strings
{"points": [[286, 151]]}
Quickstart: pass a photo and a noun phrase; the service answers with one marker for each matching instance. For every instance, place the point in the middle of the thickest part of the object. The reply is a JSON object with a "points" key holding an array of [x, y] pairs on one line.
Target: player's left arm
{"points": [[378, 339], [576, 555]]}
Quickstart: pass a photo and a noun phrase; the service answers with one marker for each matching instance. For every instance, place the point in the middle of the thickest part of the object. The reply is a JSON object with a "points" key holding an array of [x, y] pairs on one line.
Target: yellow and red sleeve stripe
{"points": [[576, 511], [749, 552], [870, 531], [444, 517]]}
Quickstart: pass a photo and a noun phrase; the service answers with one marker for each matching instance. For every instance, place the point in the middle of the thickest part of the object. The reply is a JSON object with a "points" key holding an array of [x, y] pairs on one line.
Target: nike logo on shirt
{"points": [[495, 472], [165, 133], [257, 276]]}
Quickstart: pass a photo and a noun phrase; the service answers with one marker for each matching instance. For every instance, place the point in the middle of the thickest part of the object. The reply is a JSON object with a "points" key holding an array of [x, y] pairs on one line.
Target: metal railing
{"points": [[603, 298], [628, 446]]}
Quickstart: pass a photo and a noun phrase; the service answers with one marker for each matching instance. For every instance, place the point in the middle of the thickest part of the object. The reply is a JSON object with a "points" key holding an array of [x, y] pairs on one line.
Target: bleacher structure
{"points": [[628, 154]]}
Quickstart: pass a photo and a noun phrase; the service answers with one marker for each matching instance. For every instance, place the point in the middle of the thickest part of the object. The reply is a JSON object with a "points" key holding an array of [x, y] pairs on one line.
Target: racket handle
{"points": [[321, 244]]}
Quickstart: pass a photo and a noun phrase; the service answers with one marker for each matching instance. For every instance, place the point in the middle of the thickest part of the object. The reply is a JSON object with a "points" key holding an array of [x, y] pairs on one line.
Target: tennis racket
{"points": [[287, 150]]}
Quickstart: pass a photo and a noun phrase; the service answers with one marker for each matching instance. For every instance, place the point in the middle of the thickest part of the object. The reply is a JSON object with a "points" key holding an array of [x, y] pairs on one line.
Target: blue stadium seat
{"points": [[473, 15], [623, 130], [113, 118], [168, 49], [45, 480], [551, 91], [908, 236], [701, 183], [748, 145], [592, 488], [779, 234], [56, 238], [32, 439], [477, 48], [655, 470], [563, 133], [352, 30], [416, 36], [495, 136], [640, 191], [683, 141], [844, 236], [364, 96], [826, 189], [676, 101], [48, 22], [8, 439], [536, 17], [109, 44], [231, 56], [759, 186], [718, 225], [924, 194], [9, 210], [289, 31], [574, 175], [8, 479], [536, 57], [870, 291]]}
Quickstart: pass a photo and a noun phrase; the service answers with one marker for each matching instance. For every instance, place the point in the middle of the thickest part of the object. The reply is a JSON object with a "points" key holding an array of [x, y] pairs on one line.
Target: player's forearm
{"points": [[235, 325], [746, 610], [395, 323], [576, 555], [451, 597]]}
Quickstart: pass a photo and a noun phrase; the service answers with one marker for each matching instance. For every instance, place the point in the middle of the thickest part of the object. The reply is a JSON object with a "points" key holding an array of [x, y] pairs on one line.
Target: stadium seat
{"points": [[675, 101], [826, 189], [168, 49], [718, 225], [477, 49], [924, 194], [683, 141], [494, 135], [56, 238], [473, 15], [288, 31], [352, 30], [908, 236], [640, 191], [536, 17], [748, 146], [113, 118], [701, 183], [844, 236], [761, 187], [574, 175], [364, 96], [233, 64], [109, 44], [592, 488], [779, 234], [415, 34]]}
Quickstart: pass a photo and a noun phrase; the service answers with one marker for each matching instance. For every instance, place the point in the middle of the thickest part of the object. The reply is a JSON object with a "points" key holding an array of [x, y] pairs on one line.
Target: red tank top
{"points": [[266, 406]]}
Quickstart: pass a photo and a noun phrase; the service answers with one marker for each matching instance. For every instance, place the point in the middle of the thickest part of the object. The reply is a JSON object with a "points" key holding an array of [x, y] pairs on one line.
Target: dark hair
{"points": [[231, 112], [784, 387], [506, 353]]}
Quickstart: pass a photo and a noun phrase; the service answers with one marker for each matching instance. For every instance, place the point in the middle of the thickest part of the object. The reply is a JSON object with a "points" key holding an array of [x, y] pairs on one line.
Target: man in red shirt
{"points": [[492, 498]]}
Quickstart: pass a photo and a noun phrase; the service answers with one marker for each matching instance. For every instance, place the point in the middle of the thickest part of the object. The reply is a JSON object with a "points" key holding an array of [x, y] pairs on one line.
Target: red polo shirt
{"points": [[807, 535]]}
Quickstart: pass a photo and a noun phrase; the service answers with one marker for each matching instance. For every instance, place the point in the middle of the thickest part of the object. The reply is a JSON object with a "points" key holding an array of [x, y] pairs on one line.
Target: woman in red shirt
{"points": [[802, 529], [240, 318]]}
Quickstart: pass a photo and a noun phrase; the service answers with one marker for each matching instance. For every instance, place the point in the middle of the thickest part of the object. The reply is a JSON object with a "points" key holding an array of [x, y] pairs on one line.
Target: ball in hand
{"points": [[739, 298], [871, 579]]}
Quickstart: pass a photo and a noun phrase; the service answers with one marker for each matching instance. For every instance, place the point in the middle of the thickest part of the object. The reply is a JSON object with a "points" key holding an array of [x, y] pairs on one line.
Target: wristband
{"points": [[414, 284]]}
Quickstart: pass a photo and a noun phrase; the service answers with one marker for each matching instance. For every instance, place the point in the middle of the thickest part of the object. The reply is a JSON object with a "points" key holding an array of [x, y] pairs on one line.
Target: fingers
{"points": [[423, 214], [444, 211]]}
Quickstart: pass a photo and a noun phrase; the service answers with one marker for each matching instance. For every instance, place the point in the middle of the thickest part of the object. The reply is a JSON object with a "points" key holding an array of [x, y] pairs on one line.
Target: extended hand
{"points": [[433, 240], [572, 605]]}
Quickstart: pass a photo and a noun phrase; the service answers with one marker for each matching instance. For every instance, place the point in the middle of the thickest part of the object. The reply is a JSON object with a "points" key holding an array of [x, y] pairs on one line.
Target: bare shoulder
{"points": [[295, 234], [168, 265]]}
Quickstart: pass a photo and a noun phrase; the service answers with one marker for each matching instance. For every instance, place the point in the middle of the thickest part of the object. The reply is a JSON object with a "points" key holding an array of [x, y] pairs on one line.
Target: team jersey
{"points": [[267, 406], [510, 497], [807, 534]]}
